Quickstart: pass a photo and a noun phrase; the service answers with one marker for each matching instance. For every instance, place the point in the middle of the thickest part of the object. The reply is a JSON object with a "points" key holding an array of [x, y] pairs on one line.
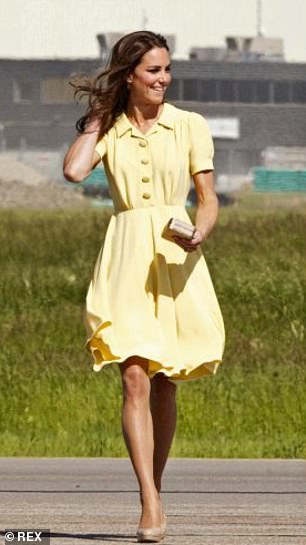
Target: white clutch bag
{"points": [[181, 228]]}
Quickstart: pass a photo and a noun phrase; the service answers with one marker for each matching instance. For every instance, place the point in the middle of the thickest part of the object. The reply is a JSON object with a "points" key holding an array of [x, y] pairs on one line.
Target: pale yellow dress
{"points": [[148, 297]]}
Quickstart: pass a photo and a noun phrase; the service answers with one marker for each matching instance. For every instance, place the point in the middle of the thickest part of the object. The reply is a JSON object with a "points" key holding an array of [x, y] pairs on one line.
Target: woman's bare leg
{"points": [[163, 409], [137, 427]]}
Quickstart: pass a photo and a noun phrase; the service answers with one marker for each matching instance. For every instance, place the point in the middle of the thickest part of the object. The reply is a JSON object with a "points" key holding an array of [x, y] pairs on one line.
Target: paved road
{"points": [[208, 502]]}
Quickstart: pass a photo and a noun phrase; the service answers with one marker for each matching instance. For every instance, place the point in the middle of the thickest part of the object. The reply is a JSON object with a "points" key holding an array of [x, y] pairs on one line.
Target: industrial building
{"points": [[252, 99]]}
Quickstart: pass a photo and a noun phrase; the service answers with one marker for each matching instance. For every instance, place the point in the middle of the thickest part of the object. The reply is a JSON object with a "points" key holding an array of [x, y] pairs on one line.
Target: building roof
{"points": [[180, 68]]}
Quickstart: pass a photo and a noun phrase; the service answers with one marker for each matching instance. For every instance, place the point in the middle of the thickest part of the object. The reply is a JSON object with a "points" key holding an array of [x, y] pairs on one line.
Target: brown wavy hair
{"points": [[108, 92]]}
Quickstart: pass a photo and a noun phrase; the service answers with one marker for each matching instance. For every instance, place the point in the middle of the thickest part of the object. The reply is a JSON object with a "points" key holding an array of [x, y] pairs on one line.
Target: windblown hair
{"points": [[108, 91]]}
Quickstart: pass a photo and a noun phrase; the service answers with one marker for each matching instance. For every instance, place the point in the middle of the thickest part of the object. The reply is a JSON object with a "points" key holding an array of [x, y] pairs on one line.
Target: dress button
{"points": [[142, 143], [145, 179], [144, 161], [146, 195]]}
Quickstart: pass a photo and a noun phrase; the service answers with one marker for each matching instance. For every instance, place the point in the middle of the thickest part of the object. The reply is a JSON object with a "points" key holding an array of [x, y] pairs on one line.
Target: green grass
{"points": [[53, 404]]}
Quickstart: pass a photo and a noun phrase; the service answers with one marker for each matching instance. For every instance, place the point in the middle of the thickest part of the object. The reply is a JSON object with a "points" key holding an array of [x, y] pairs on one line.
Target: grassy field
{"points": [[53, 404]]}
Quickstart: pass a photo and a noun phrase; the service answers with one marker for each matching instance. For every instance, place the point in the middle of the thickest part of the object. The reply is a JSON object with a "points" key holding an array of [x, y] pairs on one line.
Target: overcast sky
{"points": [[68, 28]]}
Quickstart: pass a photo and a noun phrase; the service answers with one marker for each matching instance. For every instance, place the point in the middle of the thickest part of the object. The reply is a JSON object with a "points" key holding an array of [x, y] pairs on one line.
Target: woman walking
{"points": [[151, 307]]}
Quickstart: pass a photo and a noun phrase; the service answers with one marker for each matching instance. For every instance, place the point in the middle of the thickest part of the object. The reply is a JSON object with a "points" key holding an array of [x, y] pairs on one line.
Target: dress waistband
{"points": [[150, 208]]}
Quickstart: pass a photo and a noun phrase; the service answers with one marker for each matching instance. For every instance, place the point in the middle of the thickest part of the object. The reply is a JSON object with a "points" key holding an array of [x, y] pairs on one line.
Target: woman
{"points": [[151, 305]]}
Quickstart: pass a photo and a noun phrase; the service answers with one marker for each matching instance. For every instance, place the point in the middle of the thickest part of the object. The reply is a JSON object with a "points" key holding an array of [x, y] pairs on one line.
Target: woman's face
{"points": [[151, 77]]}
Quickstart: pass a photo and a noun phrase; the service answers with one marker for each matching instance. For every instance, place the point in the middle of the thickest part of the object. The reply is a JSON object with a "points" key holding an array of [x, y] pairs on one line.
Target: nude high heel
{"points": [[152, 535]]}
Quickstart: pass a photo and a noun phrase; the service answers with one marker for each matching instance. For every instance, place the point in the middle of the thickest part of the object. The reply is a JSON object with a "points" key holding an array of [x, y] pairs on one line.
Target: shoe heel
{"points": [[149, 535]]}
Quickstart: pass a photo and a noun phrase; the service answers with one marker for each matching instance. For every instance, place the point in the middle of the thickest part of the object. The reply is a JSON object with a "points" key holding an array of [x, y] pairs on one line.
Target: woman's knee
{"points": [[135, 380]]}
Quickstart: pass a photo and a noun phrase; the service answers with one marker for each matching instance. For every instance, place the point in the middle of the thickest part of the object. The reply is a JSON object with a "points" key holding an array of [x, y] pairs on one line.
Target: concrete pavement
{"points": [[207, 501]]}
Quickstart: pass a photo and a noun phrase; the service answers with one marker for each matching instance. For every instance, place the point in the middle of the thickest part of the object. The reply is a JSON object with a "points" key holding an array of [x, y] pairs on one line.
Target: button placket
{"points": [[146, 170]]}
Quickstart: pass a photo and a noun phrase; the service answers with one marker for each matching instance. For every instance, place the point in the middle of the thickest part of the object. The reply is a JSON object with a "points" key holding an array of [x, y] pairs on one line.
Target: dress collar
{"points": [[123, 124]]}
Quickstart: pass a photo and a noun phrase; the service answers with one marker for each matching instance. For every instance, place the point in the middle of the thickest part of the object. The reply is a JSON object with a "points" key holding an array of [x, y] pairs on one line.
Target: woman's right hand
{"points": [[81, 157]]}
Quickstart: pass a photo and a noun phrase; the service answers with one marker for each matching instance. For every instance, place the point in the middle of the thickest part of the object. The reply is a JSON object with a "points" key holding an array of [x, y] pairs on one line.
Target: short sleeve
{"points": [[201, 144], [101, 146]]}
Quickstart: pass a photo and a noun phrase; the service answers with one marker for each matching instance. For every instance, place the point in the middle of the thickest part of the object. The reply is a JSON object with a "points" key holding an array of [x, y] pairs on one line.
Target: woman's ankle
{"points": [[149, 498], [158, 485]]}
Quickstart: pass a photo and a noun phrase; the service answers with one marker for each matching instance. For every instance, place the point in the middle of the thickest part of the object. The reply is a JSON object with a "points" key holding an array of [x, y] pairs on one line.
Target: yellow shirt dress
{"points": [[148, 297]]}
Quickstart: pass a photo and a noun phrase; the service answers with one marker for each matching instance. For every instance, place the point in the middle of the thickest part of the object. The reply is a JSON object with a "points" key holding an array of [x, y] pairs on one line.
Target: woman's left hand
{"points": [[192, 244]]}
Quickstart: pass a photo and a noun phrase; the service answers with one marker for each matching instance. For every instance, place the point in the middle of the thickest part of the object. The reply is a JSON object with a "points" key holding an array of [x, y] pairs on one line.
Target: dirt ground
{"points": [[21, 186]]}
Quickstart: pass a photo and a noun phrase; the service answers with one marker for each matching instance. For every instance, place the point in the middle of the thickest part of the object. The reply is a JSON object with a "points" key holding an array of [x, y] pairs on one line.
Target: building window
{"points": [[208, 91], [56, 91], [228, 91], [190, 89], [299, 91], [262, 89], [23, 90], [281, 91], [173, 91], [246, 91]]}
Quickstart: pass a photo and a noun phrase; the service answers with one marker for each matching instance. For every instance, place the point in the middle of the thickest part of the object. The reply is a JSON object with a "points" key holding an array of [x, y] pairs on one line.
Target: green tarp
{"points": [[279, 180], [264, 180], [96, 177]]}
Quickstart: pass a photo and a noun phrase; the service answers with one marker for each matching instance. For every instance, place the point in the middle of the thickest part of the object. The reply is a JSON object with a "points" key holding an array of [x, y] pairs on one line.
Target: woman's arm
{"points": [[81, 157], [207, 210], [208, 204]]}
